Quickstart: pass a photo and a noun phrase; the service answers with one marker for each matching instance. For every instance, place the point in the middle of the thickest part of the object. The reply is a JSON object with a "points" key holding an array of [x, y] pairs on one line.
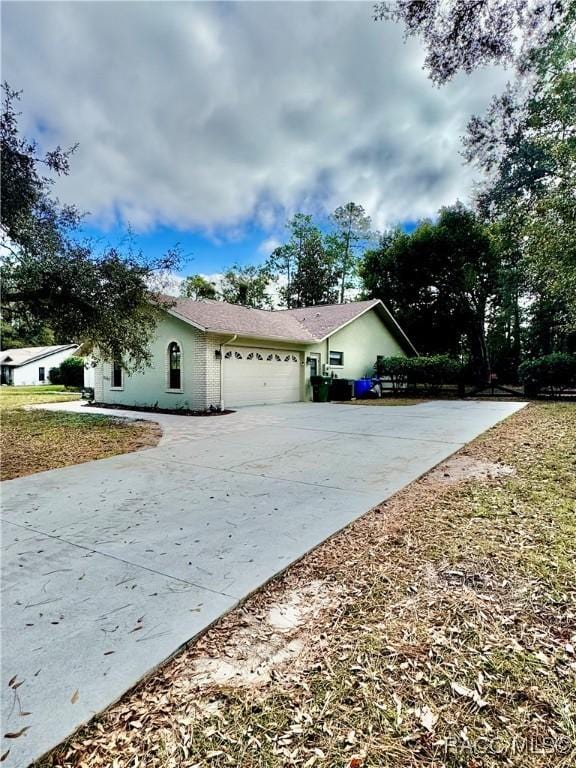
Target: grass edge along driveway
{"points": [[35, 440]]}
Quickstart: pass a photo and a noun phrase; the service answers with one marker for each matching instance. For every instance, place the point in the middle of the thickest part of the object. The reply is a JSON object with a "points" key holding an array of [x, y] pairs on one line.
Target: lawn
{"points": [[437, 630], [36, 440]]}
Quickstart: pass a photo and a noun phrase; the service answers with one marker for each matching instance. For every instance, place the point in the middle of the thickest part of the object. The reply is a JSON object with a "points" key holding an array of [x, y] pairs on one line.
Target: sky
{"points": [[210, 124]]}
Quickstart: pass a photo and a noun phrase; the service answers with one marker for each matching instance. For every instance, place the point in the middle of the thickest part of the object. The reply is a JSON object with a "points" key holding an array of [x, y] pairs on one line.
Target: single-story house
{"points": [[211, 353], [31, 365]]}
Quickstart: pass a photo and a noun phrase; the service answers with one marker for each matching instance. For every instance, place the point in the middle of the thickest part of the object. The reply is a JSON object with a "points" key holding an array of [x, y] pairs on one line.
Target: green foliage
{"points": [[51, 275], [247, 286], [71, 372], [527, 145], [431, 371], [555, 372], [461, 36], [438, 281], [25, 331], [55, 375], [197, 287], [352, 227], [314, 281], [303, 266]]}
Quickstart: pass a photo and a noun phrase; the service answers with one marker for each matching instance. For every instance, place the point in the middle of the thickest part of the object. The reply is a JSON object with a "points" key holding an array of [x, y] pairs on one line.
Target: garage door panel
{"points": [[260, 376]]}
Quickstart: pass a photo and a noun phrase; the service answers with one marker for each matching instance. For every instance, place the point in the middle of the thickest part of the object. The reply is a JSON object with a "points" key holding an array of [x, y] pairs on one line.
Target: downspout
{"points": [[224, 343]]}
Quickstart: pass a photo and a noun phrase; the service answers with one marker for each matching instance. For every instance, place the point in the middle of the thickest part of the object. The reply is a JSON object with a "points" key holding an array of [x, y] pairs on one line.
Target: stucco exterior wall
{"points": [[150, 386], [361, 342], [28, 374]]}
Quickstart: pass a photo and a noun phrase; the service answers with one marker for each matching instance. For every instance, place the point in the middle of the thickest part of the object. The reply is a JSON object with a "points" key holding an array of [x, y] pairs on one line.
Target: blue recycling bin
{"points": [[362, 387]]}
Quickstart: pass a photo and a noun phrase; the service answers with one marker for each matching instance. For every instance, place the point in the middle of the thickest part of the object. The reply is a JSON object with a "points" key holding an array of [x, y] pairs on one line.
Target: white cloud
{"points": [[267, 246], [207, 115]]}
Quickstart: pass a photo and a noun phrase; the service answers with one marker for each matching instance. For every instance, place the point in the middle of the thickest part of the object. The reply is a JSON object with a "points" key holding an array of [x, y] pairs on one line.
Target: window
{"points": [[174, 366], [336, 358], [116, 375], [41, 374]]}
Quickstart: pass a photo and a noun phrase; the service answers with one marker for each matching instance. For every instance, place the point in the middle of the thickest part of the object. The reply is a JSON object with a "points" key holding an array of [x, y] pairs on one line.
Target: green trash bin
{"points": [[320, 388]]}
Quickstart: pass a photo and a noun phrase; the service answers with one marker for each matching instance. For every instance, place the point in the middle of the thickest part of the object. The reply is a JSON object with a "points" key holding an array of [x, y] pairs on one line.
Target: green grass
{"points": [[38, 440], [15, 397], [449, 644]]}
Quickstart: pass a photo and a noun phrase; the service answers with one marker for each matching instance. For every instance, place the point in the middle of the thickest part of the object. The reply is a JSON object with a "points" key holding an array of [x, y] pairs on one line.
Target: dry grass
{"points": [[34, 441], [442, 634]]}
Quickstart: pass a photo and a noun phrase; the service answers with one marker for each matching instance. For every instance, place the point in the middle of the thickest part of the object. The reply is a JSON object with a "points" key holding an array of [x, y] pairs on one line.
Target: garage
{"points": [[261, 376]]}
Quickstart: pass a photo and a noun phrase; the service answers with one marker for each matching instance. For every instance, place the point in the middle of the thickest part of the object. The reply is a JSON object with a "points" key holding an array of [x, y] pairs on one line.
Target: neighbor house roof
{"points": [[306, 325], [23, 355]]}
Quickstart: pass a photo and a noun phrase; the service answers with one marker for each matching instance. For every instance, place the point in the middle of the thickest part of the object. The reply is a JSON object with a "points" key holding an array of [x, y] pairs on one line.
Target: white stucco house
{"points": [[211, 353], [31, 365]]}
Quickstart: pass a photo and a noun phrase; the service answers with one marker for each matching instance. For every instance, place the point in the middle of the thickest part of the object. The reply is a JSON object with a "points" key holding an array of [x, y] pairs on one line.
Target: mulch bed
{"points": [[150, 409]]}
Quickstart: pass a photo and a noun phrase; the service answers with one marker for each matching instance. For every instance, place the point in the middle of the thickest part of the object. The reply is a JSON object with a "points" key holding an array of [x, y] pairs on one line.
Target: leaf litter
{"points": [[437, 631]]}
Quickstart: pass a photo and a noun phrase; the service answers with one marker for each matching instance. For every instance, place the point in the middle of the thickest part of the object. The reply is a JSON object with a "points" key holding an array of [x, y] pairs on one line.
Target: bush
{"points": [[72, 372], [432, 371], [55, 376], [554, 373], [396, 368]]}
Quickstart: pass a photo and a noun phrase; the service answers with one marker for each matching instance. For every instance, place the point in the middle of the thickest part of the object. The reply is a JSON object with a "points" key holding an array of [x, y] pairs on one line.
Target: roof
{"points": [[16, 357], [221, 317], [324, 320], [306, 325]]}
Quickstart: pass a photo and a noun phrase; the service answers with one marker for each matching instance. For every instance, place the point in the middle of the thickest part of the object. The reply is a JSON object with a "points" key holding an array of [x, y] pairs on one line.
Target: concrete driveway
{"points": [[109, 567]]}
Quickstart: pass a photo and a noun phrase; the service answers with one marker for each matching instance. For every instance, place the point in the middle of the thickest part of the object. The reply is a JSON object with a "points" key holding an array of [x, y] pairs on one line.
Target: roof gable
{"points": [[24, 355]]}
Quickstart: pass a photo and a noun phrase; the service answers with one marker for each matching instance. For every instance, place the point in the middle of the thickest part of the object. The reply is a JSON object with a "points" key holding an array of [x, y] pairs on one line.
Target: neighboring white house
{"points": [[211, 353], [31, 365]]}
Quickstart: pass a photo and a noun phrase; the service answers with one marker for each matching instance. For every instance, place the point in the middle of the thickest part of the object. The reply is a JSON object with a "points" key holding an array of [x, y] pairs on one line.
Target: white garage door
{"points": [[258, 376]]}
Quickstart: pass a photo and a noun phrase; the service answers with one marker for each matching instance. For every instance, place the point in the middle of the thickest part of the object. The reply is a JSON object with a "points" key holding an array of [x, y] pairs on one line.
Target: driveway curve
{"points": [[109, 567]]}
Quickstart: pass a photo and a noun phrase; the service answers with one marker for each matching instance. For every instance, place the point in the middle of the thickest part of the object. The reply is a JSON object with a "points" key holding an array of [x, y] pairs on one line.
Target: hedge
{"points": [[554, 373], [432, 371], [70, 373], [54, 375]]}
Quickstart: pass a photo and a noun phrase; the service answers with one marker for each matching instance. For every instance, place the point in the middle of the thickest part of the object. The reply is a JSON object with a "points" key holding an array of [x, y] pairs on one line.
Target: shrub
{"points": [[432, 371], [72, 372], [55, 376], [555, 373], [396, 368]]}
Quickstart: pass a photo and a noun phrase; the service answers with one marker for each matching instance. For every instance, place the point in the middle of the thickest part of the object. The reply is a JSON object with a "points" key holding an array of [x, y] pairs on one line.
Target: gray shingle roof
{"points": [[221, 317], [306, 325], [324, 320], [25, 355]]}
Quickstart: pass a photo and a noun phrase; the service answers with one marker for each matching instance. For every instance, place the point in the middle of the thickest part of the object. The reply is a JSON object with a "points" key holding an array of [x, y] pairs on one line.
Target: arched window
{"points": [[174, 366]]}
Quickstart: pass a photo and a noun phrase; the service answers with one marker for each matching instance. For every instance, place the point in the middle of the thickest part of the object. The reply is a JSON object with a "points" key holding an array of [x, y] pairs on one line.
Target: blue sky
{"points": [[200, 253], [210, 124]]}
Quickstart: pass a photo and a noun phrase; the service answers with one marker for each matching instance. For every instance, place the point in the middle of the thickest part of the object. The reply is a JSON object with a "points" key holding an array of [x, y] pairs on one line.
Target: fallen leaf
{"points": [[17, 734], [427, 717], [4, 756], [75, 697], [461, 690]]}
